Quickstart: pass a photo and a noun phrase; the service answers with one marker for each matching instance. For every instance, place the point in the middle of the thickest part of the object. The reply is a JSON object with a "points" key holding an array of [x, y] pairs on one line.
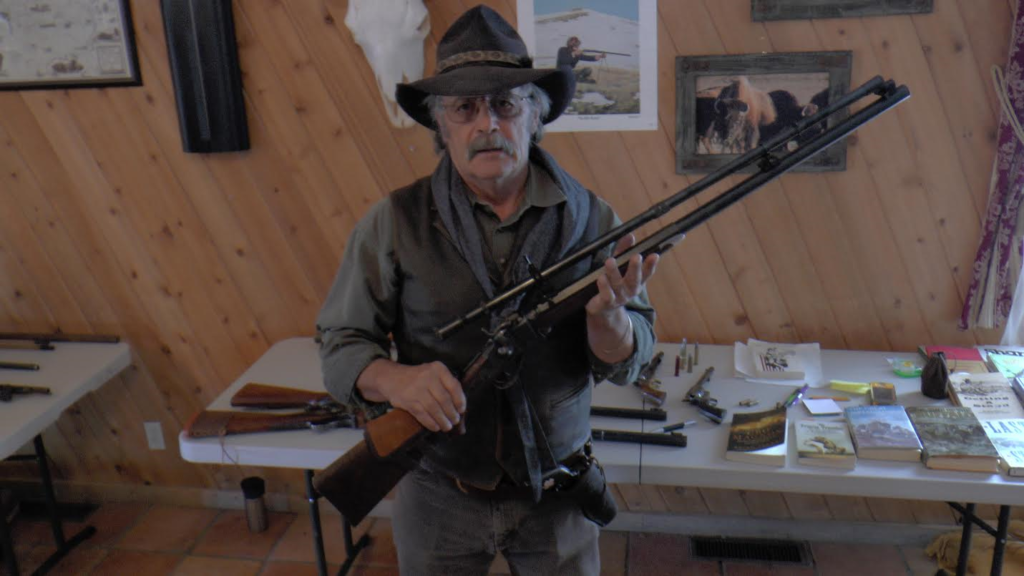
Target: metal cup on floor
{"points": [[253, 489]]}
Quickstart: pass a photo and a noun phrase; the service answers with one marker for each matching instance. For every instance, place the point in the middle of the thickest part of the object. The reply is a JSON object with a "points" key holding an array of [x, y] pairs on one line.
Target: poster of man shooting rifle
{"points": [[610, 46]]}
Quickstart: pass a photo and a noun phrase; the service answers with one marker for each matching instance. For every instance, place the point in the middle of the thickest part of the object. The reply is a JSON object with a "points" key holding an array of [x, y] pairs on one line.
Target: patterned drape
{"points": [[997, 264]]}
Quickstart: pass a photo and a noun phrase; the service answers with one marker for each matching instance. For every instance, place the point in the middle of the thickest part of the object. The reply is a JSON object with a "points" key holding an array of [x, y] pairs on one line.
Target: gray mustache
{"points": [[489, 142]]}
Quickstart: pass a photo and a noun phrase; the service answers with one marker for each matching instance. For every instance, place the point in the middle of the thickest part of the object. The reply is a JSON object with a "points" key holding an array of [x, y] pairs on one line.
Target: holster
{"points": [[591, 492]]}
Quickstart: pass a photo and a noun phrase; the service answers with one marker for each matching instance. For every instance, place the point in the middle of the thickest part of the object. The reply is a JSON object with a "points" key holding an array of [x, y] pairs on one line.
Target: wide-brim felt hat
{"points": [[481, 53]]}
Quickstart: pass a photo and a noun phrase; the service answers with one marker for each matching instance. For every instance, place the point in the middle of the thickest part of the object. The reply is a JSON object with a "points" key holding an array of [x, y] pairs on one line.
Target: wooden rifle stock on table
{"points": [[320, 412], [44, 340], [358, 480]]}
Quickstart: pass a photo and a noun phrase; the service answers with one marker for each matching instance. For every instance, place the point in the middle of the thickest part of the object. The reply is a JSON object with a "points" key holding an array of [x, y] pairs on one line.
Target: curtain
{"points": [[997, 264]]}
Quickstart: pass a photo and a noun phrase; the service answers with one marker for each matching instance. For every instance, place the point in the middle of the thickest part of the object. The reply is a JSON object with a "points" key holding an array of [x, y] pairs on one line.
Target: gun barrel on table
{"points": [[9, 391], [361, 478], [45, 340], [209, 423], [670, 439]]}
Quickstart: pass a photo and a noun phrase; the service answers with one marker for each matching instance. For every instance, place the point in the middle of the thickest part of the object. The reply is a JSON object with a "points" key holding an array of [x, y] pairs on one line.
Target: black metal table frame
{"points": [[64, 545], [999, 533], [351, 548]]}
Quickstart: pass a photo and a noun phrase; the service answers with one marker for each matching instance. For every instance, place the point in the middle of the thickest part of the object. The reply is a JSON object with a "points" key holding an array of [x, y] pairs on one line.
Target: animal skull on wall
{"points": [[391, 34]]}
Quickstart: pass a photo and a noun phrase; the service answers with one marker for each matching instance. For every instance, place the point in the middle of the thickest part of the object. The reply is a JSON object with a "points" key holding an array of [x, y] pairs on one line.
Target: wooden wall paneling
{"points": [[168, 230], [683, 500], [697, 258], [322, 33], [322, 120], [931, 512], [820, 221], [930, 140], [766, 504], [141, 296], [722, 501], [654, 500], [960, 79], [905, 203], [771, 215], [565, 149], [54, 228], [633, 497], [891, 510], [807, 506], [848, 508]]}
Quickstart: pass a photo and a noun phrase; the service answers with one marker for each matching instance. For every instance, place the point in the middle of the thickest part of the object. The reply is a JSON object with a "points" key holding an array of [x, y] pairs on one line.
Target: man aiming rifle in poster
{"points": [[570, 54]]}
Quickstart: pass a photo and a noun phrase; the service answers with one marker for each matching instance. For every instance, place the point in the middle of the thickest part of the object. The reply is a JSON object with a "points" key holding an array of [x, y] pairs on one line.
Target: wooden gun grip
{"points": [[391, 432], [254, 395]]}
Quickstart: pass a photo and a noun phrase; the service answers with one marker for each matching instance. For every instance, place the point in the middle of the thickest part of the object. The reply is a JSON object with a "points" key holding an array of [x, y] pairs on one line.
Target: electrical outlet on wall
{"points": [[155, 435]]}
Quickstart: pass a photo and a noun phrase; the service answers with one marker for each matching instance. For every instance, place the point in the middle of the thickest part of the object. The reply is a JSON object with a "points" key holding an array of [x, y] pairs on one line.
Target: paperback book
{"points": [[883, 433], [824, 444], [758, 437], [990, 395], [958, 359], [1008, 438], [1007, 361], [953, 439]]}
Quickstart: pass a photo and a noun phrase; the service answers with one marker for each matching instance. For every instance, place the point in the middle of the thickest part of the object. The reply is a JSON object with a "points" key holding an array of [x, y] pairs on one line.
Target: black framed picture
{"points": [[67, 44], [761, 10], [727, 105]]}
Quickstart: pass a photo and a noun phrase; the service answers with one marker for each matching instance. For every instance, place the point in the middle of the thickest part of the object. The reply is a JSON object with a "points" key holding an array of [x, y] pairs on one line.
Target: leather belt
{"points": [[562, 477]]}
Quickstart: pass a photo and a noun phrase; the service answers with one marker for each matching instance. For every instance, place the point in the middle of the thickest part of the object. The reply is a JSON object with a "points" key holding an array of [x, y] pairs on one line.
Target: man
{"points": [[570, 54], [432, 251]]}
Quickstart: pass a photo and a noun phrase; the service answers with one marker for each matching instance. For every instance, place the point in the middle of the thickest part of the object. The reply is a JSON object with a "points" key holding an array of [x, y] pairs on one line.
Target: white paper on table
{"points": [[743, 363]]}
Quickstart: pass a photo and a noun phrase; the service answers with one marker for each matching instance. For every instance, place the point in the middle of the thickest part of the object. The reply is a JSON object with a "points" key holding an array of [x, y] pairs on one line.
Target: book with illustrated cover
{"points": [[824, 444], [883, 433], [953, 439], [958, 358], [781, 361], [989, 395], [1007, 361], [1008, 438], [758, 437]]}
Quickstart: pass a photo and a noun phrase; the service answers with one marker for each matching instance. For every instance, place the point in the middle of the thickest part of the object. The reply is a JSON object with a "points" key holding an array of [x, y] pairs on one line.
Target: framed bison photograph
{"points": [[762, 10], [726, 105]]}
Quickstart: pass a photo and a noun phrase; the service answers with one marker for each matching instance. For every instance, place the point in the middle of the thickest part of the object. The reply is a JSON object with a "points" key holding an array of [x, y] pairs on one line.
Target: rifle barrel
{"points": [[888, 94], [43, 339]]}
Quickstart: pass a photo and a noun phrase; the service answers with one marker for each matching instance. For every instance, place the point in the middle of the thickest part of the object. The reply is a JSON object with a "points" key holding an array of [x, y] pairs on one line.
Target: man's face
{"points": [[488, 138]]}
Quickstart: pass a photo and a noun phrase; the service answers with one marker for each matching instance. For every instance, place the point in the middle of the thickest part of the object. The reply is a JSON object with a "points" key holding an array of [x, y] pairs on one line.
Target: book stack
{"points": [[824, 444], [758, 437], [953, 439], [988, 395], [883, 433], [958, 359], [1008, 438]]}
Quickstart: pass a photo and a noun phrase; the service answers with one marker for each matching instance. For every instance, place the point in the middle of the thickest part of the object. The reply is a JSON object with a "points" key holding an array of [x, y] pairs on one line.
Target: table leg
{"points": [[965, 541], [7, 545], [63, 545], [1000, 544], [351, 549], [314, 520]]}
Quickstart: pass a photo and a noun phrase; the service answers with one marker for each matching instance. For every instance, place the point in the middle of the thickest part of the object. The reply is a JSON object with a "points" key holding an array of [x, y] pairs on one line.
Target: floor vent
{"points": [[749, 549]]}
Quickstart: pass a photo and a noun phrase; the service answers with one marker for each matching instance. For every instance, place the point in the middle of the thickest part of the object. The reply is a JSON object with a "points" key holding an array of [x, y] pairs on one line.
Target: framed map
{"points": [[66, 44]]}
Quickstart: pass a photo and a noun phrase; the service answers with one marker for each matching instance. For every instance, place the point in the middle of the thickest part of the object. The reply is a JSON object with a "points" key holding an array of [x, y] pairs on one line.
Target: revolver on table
{"points": [[700, 397]]}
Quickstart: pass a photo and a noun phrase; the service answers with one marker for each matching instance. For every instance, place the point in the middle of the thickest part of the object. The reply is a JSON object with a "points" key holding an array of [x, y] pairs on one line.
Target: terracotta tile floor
{"points": [[134, 539]]}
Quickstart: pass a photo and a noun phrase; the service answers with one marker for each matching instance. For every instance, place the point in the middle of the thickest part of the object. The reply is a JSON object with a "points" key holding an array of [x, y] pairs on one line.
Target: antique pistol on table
{"points": [[318, 412], [645, 381], [699, 396], [7, 391]]}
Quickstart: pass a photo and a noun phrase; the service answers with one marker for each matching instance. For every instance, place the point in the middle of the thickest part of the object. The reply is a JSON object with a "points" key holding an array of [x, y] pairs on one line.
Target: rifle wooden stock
{"points": [[45, 338], [254, 395], [223, 422], [357, 481]]}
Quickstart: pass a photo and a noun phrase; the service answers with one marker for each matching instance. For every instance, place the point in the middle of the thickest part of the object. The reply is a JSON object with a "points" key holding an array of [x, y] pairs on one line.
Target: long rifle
{"points": [[591, 50], [358, 480], [44, 341]]}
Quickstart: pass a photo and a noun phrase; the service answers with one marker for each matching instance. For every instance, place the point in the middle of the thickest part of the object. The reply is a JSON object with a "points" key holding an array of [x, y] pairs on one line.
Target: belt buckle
{"points": [[555, 479]]}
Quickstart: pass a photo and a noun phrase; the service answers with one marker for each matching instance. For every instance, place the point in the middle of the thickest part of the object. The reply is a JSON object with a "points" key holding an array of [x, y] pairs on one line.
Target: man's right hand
{"points": [[427, 391]]}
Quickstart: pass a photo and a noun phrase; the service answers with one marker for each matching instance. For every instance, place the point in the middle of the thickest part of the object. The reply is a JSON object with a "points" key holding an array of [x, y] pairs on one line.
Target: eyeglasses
{"points": [[464, 110]]}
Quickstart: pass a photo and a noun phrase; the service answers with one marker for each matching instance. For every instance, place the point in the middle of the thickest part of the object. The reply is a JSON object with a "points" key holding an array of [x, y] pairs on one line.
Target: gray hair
{"points": [[539, 100]]}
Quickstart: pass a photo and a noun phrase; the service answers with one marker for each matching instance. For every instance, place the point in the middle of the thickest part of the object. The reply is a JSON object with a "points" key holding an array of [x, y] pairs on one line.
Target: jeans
{"points": [[440, 530]]}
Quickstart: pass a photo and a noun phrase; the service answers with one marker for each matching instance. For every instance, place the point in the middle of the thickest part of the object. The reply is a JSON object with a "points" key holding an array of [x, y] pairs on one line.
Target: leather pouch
{"points": [[935, 376], [591, 492]]}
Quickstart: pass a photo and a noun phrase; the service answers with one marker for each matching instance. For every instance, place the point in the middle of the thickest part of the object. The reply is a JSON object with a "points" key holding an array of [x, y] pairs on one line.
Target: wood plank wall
{"points": [[203, 261]]}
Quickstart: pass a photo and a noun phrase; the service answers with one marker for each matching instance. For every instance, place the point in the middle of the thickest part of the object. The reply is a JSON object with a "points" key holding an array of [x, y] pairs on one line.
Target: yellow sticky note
{"points": [[851, 387]]}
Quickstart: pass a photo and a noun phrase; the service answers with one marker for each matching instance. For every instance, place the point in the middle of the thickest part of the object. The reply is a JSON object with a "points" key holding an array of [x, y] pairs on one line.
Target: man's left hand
{"points": [[609, 330]]}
